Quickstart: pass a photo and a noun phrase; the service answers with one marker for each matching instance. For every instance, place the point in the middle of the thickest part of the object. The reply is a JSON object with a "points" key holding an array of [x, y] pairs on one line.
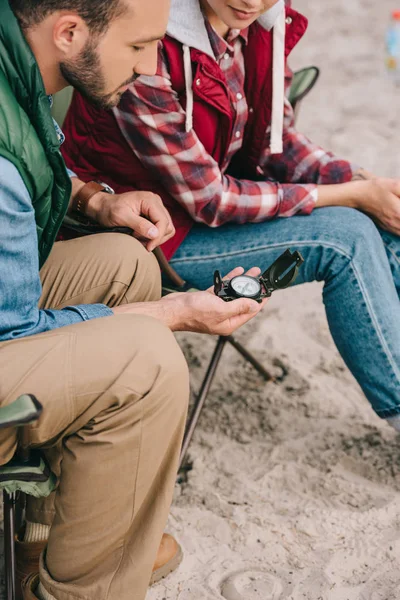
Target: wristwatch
{"points": [[86, 192], [278, 276]]}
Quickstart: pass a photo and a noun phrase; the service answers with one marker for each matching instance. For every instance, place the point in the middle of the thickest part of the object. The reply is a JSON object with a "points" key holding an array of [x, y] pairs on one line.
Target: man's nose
{"points": [[148, 61]]}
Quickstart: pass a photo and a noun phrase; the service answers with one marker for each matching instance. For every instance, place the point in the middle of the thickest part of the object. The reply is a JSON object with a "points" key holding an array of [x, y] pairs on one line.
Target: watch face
{"points": [[106, 188], [243, 285]]}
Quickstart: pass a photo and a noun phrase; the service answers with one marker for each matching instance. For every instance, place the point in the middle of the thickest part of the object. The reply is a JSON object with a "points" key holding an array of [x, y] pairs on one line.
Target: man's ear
{"points": [[70, 34]]}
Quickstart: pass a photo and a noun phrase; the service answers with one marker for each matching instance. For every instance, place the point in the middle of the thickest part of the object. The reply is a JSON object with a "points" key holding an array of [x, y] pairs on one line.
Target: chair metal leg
{"points": [[207, 381], [249, 357], [205, 387], [9, 501], [19, 511]]}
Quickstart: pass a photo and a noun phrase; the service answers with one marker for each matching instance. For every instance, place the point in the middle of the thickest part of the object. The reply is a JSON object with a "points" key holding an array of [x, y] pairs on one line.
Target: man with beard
{"points": [[81, 322]]}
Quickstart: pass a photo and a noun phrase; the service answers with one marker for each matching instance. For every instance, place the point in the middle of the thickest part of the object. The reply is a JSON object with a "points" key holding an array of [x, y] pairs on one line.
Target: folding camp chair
{"points": [[27, 473]]}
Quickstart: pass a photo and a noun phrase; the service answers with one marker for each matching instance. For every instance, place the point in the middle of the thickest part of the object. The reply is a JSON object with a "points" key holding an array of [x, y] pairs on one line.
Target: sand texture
{"points": [[295, 488]]}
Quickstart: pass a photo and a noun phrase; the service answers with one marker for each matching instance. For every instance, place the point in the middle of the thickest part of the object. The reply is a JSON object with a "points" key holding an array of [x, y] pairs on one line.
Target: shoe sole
{"points": [[168, 568]]}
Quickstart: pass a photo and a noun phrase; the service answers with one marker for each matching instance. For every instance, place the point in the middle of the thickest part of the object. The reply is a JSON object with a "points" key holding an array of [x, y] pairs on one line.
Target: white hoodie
{"points": [[186, 25]]}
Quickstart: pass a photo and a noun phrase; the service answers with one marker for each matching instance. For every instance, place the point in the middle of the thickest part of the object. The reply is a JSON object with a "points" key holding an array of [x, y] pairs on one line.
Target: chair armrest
{"points": [[178, 284], [31, 476], [85, 226], [22, 411]]}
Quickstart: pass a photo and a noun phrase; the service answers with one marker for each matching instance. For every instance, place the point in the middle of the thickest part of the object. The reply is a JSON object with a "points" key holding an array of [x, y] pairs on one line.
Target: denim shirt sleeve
{"points": [[71, 173], [20, 286]]}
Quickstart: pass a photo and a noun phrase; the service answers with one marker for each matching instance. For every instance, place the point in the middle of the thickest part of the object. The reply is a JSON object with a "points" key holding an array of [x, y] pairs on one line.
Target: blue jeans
{"points": [[360, 265]]}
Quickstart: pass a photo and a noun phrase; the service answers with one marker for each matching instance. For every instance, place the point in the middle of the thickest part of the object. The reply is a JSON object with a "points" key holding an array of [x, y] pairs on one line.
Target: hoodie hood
{"points": [[186, 25]]}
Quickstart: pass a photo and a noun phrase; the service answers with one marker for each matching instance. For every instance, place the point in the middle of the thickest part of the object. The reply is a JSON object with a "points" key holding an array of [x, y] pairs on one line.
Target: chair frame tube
{"points": [[9, 501], [206, 384]]}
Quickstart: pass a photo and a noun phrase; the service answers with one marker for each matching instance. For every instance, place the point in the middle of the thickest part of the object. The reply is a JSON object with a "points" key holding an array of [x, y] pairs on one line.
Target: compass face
{"points": [[243, 285]]}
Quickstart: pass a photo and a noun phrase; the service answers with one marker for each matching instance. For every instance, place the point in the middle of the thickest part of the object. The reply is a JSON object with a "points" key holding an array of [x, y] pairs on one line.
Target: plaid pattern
{"points": [[152, 121], [229, 56]]}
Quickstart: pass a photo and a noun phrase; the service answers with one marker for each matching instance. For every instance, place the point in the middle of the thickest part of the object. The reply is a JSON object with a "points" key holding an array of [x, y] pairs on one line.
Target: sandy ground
{"points": [[295, 487]]}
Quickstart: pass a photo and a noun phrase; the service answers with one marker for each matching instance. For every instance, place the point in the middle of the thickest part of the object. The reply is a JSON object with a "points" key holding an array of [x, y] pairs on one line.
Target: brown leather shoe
{"points": [[169, 557], [27, 561], [29, 586]]}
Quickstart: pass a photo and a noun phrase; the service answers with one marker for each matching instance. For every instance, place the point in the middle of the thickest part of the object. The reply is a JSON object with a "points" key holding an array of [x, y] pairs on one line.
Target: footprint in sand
{"points": [[251, 585]]}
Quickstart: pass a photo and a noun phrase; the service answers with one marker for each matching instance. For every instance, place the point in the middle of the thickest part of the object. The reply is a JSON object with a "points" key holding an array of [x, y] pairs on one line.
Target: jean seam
{"points": [[260, 248], [377, 328], [389, 249]]}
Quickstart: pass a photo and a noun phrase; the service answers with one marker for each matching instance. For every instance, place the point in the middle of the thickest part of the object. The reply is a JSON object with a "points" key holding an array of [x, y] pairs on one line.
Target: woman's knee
{"points": [[345, 237], [349, 228]]}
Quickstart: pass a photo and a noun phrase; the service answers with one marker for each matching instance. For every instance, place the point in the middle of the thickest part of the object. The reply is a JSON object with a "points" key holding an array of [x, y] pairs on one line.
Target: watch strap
{"points": [[85, 193]]}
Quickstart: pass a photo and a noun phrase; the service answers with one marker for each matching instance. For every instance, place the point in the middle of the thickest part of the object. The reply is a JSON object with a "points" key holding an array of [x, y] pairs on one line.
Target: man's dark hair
{"points": [[97, 14]]}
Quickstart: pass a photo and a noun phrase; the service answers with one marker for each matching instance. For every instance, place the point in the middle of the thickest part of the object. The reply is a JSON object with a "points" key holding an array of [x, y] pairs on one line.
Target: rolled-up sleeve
{"points": [[71, 173], [302, 161], [20, 286]]}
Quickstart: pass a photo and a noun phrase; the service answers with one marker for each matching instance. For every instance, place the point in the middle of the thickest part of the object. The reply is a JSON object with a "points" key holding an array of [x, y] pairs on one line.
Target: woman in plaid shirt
{"points": [[212, 134]]}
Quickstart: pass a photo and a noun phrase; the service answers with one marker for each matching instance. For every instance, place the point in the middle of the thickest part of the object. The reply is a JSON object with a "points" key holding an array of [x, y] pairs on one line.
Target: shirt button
{"points": [[251, 110], [198, 82], [239, 96], [237, 134], [226, 56], [289, 20]]}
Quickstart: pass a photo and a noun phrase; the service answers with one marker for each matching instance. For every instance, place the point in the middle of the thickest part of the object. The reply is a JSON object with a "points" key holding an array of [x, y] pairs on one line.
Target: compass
{"points": [[278, 276]]}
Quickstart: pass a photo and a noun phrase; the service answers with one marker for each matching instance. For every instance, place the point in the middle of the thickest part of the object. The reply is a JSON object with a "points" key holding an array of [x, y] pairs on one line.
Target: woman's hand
{"points": [[377, 197], [381, 201]]}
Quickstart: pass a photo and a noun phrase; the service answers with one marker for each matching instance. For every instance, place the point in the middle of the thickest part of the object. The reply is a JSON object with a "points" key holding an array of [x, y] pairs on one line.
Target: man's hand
{"points": [[143, 212], [204, 312], [200, 312], [362, 175]]}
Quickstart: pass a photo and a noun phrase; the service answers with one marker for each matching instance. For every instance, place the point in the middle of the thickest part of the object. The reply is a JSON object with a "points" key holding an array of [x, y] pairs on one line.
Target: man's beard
{"points": [[85, 75]]}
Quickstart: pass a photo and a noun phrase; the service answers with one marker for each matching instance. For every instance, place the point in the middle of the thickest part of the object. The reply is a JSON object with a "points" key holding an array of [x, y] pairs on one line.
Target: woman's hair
{"points": [[97, 14]]}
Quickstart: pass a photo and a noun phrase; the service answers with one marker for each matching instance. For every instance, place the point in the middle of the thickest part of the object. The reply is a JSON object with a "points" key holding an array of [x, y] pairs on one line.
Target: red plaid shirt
{"points": [[152, 120]]}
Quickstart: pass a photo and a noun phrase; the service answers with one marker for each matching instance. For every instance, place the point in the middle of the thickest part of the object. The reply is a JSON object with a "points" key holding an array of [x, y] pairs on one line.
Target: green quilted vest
{"points": [[27, 135]]}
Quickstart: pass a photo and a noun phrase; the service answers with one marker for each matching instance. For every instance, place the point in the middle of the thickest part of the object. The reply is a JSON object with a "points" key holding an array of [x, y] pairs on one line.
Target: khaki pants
{"points": [[114, 392]]}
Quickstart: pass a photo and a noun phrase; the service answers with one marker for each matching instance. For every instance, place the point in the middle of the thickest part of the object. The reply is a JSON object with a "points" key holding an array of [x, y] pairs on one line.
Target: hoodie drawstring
{"points": [[187, 64], [278, 80]]}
